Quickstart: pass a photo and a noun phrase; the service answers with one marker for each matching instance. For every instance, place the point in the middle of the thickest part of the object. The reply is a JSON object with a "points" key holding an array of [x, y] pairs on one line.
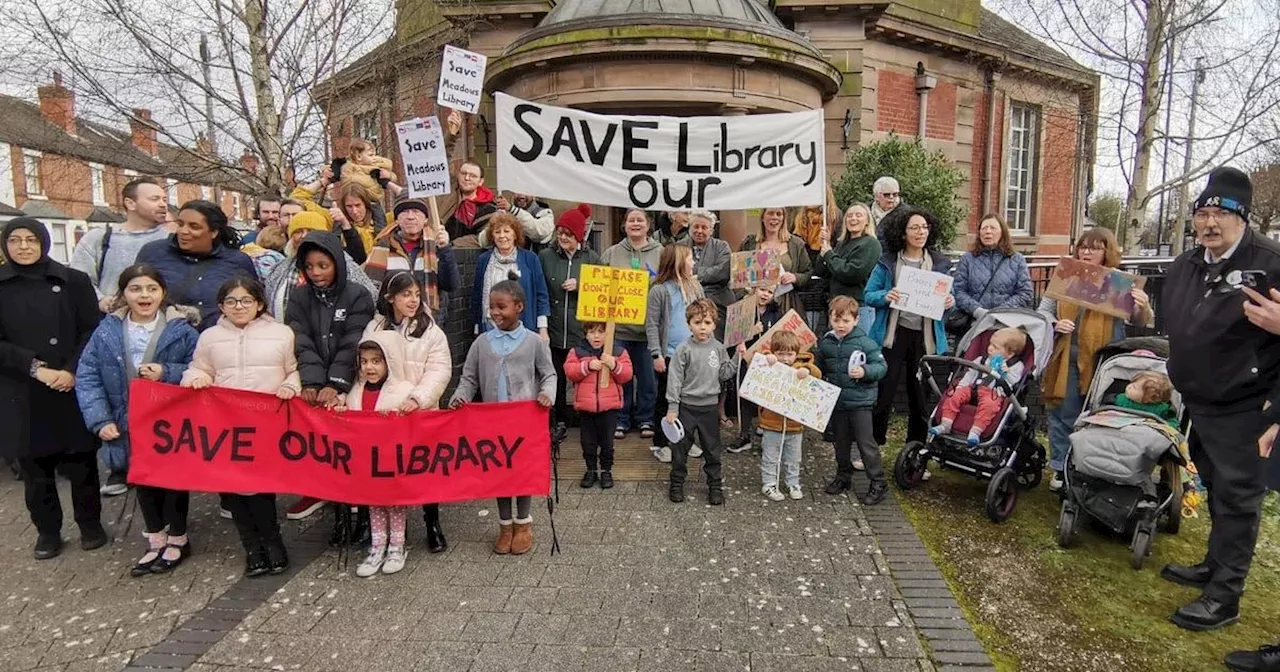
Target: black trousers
{"points": [[856, 426], [703, 424], [597, 439], [41, 488], [563, 409], [1224, 449], [164, 508], [902, 361], [255, 518], [660, 407]]}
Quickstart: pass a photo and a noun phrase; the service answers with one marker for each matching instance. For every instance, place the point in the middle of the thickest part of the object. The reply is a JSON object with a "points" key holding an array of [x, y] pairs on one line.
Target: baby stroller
{"points": [[1008, 454], [1114, 453]]}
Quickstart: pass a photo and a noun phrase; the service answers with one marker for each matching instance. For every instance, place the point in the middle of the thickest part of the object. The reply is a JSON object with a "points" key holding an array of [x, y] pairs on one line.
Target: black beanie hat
{"points": [[1229, 189], [31, 224], [411, 204]]}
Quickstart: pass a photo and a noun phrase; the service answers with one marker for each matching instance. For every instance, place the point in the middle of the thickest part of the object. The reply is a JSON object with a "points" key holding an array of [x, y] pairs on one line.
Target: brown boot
{"points": [[522, 540], [503, 545]]}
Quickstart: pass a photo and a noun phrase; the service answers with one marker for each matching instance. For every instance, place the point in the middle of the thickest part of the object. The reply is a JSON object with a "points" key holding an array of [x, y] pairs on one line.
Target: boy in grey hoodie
{"points": [[698, 367]]}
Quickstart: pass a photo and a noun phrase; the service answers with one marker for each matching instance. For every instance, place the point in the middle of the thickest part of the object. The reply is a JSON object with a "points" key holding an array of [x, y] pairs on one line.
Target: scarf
{"points": [[1093, 331], [926, 324], [500, 268], [468, 208]]}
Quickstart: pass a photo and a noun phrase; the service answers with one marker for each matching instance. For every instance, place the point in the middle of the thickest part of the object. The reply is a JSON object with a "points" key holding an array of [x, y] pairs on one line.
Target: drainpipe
{"points": [[988, 153], [924, 84]]}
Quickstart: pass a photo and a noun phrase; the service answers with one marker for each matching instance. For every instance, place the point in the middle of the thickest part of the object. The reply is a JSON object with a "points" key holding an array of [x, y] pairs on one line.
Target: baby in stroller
{"points": [[1150, 392], [1006, 346]]}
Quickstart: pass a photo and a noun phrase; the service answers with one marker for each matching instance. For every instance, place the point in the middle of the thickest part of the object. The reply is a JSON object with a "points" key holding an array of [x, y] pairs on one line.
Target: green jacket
{"points": [[833, 358], [562, 325], [849, 265]]}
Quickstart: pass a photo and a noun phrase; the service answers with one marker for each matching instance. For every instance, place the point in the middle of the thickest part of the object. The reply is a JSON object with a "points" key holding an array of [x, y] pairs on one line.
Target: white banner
{"points": [[661, 163], [808, 401], [461, 79], [426, 160], [923, 293]]}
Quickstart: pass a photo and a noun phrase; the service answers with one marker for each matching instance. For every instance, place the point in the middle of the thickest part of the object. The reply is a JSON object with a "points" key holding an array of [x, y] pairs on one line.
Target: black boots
{"points": [[350, 526], [588, 479], [1206, 613], [675, 492], [277, 556], [606, 479], [48, 545], [875, 494], [837, 486], [715, 495], [1266, 659], [93, 537], [1194, 576], [435, 534], [256, 563]]}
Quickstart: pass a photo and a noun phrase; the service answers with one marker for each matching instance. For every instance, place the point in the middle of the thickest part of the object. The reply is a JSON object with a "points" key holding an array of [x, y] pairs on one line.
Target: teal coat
{"points": [[833, 359]]}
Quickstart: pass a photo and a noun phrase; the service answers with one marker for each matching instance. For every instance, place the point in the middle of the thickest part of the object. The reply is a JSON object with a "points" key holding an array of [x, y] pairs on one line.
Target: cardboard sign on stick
{"points": [[924, 293], [808, 401], [740, 320], [1094, 287], [461, 79], [756, 268], [426, 161], [791, 322]]}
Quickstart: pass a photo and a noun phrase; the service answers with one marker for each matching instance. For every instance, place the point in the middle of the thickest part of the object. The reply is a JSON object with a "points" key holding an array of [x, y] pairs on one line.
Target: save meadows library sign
{"points": [[661, 163]]}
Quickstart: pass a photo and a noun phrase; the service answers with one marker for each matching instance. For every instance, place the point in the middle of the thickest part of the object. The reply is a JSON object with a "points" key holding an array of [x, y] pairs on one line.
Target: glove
{"points": [[377, 176], [336, 166]]}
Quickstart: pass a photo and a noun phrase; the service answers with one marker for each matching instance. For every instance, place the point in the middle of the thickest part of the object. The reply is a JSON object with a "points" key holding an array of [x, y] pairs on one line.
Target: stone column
{"points": [[733, 223]]}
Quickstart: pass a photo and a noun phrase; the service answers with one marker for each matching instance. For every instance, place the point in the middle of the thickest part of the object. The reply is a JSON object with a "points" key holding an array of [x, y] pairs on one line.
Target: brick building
{"points": [[68, 171], [1016, 116]]}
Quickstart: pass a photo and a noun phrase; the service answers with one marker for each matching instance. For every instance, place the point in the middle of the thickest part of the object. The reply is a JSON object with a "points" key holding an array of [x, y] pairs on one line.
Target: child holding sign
{"points": [[698, 367], [782, 438], [597, 405], [852, 361], [508, 363], [383, 386], [247, 350], [145, 339]]}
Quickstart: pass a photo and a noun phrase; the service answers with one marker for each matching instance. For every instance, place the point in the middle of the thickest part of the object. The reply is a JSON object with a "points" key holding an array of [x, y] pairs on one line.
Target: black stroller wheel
{"points": [[909, 467], [1171, 474], [1141, 547], [1067, 525], [1002, 495], [1029, 480]]}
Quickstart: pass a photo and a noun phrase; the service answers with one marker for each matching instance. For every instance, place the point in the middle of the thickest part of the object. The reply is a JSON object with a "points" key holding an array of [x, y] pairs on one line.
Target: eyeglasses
{"points": [[917, 228], [1203, 216], [27, 241], [244, 302]]}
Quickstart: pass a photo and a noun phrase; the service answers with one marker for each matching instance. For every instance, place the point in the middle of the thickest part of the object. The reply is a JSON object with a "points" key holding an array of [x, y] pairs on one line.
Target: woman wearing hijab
{"points": [[47, 314]]}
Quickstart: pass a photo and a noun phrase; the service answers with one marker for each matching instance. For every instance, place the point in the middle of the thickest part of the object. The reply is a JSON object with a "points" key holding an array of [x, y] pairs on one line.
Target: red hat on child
{"points": [[575, 221]]}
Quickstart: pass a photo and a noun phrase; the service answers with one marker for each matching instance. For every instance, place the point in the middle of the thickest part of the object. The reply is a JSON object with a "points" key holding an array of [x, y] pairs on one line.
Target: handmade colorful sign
{"points": [[740, 321], [808, 401], [1095, 287], [791, 322], [221, 440], [461, 79], [607, 294], [426, 161], [757, 268], [923, 293], [661, 163]]}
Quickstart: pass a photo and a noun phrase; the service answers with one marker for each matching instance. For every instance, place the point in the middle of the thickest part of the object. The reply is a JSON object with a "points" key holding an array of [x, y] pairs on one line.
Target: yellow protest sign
{"points": [[607, 294]]}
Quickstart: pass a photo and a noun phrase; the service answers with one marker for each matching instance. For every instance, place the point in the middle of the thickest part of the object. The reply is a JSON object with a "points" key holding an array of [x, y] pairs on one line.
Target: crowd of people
{"points": [[343, 307]]}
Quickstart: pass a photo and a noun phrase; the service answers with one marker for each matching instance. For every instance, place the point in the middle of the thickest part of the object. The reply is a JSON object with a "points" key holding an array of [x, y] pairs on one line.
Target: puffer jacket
{"points": [[102, 378], [257, 358], [427, 362], [626, 255], [776, 422], [1010, 282], [833, 358], [557, 266], [327, 326], [398, 386], [588, 397], [194, 281]]}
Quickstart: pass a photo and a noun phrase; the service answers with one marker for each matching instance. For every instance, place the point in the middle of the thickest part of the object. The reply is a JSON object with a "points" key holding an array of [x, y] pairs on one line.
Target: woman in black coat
{"points": [[47, 314]]}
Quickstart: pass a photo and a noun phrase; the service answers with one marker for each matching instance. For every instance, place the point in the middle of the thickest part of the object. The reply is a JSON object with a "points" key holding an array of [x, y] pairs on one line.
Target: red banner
{"points": [[221, 440]]}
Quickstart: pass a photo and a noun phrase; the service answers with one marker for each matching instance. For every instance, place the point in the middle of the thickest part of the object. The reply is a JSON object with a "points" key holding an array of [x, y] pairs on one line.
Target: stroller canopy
{"points": [[1038, 326], [1123, 368]]}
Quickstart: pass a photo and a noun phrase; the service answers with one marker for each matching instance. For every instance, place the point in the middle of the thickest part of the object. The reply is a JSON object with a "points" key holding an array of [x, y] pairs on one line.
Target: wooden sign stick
{"points": [[435, 213], [605, 374]]}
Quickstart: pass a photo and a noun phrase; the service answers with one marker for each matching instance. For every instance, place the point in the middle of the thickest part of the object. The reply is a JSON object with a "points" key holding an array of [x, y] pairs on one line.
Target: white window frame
{"points": [[171, 192], [366, 126], [206, 193], [235, 204], [1022, 157], [30, 157], [98, 182], [58, 248]]}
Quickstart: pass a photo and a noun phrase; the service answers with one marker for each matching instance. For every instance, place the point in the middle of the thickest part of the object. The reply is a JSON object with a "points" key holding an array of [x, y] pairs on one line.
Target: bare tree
{"points": [[1146, 51], [1266, 194], [238, 71]]}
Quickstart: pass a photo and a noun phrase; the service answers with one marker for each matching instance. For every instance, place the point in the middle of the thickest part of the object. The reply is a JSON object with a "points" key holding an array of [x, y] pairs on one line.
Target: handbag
{"points": [[957, 322]]}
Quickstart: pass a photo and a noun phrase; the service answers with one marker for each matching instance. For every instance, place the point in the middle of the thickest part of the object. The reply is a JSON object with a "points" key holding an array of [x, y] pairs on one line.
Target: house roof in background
{"points": [[7, 210], [104, 215], [42, 210], [995, 28]]}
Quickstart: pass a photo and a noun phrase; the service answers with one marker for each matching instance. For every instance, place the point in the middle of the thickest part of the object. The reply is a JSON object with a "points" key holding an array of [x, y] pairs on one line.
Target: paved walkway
{"points": [[641, 584]]}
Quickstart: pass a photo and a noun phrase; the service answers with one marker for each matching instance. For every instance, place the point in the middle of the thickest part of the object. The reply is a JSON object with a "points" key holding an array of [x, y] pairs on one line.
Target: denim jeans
{"points": [[1063, 418], [777, 446], [638, 411]]}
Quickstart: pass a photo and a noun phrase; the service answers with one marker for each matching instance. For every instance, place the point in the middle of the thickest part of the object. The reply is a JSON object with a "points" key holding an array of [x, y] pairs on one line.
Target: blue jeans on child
{"points": [[777, 446]]}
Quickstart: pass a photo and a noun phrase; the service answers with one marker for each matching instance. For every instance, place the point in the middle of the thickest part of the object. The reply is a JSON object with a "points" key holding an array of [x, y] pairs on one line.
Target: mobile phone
{"points": [[1257, 281]]}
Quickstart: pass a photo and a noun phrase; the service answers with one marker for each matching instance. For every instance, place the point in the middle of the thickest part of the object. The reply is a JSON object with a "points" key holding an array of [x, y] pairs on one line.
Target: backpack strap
{"points": [[102, 256]]}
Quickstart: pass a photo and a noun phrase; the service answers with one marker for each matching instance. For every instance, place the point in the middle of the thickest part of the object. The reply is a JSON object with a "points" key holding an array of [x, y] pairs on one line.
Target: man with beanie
{"points": [[407, 245], [562, 266], [1225, 367]]}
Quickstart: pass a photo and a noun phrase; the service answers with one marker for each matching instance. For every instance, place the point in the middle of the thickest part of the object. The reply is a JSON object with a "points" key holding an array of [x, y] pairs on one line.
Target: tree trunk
{"points": [[1158, 13], [266, 127]]}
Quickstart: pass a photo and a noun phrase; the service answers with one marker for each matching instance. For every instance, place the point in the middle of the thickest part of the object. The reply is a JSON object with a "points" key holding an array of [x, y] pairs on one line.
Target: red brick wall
{"points": [[898, 107], [1057, 177], [978, 156]]}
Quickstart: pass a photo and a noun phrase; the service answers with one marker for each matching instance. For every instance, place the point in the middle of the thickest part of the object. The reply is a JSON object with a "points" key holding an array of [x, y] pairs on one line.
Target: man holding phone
{"points": [[1225, 367]]}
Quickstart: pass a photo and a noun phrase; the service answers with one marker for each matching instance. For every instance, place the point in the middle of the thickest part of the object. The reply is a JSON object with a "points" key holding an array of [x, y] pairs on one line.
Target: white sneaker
{"points": [[371, 563], [395, 559], [224, 513], [771, 491], [1056, 482], [662, 454], [859, 466], [927, 475], [695, 451], [797, 493]]}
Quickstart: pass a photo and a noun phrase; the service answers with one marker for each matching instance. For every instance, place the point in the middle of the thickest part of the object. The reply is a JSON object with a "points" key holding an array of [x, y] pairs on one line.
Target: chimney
{"points": [[203, 145], [249, 162], [58, 104], [143, 132]]}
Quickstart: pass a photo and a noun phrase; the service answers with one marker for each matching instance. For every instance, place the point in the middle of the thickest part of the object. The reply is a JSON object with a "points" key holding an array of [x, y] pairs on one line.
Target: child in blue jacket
{"points": [[149, 340]]}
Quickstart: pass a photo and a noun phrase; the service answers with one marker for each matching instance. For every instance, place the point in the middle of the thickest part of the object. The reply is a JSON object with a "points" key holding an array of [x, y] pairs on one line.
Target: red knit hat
{"points": [[575, 221]]}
